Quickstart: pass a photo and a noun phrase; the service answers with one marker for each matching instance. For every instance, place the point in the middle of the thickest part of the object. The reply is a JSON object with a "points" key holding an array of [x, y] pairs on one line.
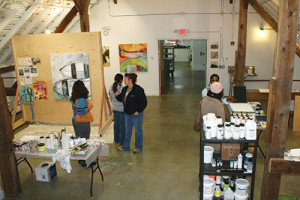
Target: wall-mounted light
{"points": [[105, 30]]}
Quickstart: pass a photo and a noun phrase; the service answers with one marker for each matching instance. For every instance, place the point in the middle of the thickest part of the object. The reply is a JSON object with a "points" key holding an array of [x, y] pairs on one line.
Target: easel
{"points": [[107, 116], [16, 124]]}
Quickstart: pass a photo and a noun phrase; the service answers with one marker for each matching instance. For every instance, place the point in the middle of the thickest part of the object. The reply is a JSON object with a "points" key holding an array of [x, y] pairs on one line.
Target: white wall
{"points": [[182, 55], [135, 21]]}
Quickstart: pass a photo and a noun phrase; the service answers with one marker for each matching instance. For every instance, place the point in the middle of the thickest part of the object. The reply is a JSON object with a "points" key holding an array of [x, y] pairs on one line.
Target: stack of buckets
{"points": [[209, 189]]}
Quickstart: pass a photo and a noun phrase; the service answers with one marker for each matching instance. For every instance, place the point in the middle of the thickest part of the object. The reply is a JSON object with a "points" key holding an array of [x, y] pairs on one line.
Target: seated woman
{"points": [[211, 104]]}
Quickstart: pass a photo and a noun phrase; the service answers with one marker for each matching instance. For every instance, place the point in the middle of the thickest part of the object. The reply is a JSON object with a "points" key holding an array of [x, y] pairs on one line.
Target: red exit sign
{"points": [[182, 31]]}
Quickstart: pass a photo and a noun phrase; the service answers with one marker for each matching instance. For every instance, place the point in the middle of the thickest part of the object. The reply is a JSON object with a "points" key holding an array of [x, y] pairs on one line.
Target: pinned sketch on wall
{"points": [[22, 80], [40, 90], [66, 69], [21, 71], [214, 46], [34, 71], [133, 57], [214, 64], [28, 79], [26, 94], [214, 54], [105, 56], [24, 61]]}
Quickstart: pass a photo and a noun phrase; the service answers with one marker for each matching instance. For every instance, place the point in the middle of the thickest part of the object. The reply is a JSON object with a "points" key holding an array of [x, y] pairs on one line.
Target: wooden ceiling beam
{"points": [[115, 2], [264, 14], [66, 21], [77, 5]]}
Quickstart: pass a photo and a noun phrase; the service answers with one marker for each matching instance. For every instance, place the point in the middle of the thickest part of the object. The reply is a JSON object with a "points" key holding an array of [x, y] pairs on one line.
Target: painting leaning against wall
{"points": [[133, 57], [66, 69]]}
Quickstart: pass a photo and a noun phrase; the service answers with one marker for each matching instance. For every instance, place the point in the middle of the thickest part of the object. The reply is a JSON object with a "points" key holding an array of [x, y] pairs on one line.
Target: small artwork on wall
{"points": [[214, 54], [39, 90], [26, 94], [105, 55], [66, 69], [214, 64], [214, 46], [133, 57]]}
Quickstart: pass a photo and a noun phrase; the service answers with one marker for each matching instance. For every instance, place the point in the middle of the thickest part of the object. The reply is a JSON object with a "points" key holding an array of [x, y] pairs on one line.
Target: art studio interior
{"points": [[174, 47]]}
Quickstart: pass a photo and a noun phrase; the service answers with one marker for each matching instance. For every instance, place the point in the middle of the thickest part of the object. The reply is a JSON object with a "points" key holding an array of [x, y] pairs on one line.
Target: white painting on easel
{"points": [[66, 69]]}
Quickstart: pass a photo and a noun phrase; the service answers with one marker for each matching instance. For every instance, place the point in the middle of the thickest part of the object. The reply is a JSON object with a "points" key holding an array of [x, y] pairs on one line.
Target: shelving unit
{"points": [[169, 60], [207, 169]]}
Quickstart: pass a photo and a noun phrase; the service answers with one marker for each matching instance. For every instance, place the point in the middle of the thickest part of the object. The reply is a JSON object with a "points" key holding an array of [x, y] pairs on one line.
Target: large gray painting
{"points": [[66, 69]]}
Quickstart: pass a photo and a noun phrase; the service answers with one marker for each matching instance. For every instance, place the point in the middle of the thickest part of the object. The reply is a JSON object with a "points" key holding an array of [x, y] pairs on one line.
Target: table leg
{"points": [[92, 173], [20, 160], [259, 145]]}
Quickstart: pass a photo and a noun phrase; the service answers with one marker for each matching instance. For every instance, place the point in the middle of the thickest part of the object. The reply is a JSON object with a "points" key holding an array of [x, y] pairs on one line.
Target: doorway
{"points": [[179, 58]]}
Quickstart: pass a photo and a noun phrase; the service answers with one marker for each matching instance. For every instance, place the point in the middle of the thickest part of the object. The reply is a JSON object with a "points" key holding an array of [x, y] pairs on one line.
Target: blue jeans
{"points": [[136, 121], [119, 127]]}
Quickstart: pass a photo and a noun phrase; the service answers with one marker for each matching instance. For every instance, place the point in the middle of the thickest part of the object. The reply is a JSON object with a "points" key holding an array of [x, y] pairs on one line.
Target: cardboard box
{"points": [[45, 171], [230, 150]]}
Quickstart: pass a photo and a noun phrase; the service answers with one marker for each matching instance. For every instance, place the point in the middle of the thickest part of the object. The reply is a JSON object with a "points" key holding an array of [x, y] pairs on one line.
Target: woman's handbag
{"points": [[88, 117]]}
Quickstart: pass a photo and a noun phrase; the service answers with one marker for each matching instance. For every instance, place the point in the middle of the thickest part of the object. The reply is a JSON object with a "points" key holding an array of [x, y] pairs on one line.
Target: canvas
{"points": [[133, 57]]}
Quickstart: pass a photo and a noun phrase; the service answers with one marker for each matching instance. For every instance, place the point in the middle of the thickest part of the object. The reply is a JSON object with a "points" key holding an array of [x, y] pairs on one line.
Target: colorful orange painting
{"points": [[133, 57]]}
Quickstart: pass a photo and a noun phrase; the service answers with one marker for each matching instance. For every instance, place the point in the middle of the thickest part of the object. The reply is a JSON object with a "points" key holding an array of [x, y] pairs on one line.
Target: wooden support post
{"points": [[239, 70], [280, 94], [8, 164], [83, 8]]}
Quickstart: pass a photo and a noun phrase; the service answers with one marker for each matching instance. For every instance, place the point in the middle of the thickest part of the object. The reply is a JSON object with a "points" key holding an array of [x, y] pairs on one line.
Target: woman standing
{"points": [[135, 102], [80, 106], [118, 110]]}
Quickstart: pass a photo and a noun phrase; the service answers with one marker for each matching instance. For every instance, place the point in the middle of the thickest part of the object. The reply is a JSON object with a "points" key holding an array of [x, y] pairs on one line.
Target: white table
{"points": [[91, 160]]}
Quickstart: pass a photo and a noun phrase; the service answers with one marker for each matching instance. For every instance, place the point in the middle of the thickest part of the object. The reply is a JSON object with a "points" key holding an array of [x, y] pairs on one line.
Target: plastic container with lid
{"points": [[228, 194], [227, 132], [241, 186], [242, 130], [220, 132], [208, 186], [240, 197]]}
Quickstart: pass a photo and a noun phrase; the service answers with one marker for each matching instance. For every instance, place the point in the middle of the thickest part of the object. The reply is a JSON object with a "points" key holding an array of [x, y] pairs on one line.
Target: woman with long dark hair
{"points": [[80, 106], [118, 110]]}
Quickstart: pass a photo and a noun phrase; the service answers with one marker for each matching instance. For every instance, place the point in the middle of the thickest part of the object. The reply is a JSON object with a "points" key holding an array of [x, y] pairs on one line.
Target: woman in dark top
{"points": [[135, 101]]}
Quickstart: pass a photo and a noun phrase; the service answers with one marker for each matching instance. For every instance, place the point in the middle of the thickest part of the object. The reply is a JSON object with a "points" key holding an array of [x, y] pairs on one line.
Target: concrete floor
{"points": [[168, 166]]}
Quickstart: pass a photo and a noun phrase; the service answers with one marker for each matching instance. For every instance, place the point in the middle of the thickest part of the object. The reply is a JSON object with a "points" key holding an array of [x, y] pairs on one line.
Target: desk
{"points": [[91, 160]]}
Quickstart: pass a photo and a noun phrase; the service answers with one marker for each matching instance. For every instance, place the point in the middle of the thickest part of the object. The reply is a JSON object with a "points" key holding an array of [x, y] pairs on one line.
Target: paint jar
{"points": [[240, 161], [208, 133], [41, 147], [219, 120], [208, 154], [236, 132], [42, 139], [227, 132], [220, 132], [232, 126], [242, 130], [48, 143], [248, 160]]}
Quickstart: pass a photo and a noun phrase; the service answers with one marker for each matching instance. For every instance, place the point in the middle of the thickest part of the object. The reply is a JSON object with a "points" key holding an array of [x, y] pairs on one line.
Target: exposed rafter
{"points": [[269, 19]]}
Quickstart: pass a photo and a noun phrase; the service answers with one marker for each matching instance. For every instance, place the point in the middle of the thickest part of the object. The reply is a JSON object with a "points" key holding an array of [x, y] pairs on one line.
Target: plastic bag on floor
{"points": [[63, 157]]}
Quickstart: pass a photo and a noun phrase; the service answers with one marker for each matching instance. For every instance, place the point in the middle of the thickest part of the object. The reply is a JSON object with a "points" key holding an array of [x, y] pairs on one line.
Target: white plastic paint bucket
{"points": [[208, 196], [241, 187], [208, 154], [240, 197], [208, 186]]}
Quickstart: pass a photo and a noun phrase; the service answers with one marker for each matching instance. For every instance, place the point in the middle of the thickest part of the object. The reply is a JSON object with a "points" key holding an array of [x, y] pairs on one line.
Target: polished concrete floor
{"points": [[168, 166]]}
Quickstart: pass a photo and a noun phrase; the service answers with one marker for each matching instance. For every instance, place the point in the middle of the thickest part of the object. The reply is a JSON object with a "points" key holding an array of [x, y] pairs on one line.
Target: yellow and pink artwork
{"points": [[133, 57]]}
